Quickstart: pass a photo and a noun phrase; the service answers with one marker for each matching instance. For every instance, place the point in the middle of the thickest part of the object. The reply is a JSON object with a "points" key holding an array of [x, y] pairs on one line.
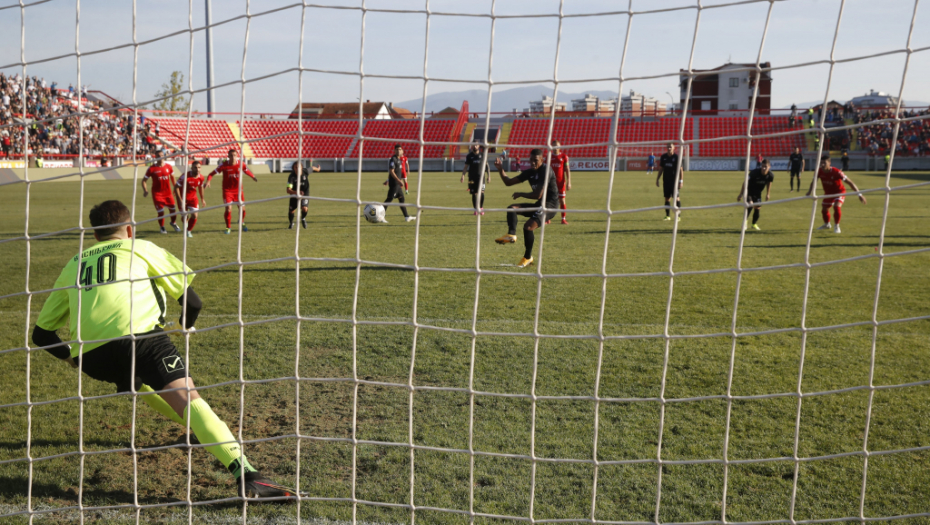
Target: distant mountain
{"points": [[501, 101]]}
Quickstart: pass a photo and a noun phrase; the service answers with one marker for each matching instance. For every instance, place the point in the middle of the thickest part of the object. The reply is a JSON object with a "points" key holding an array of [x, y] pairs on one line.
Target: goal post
{"points": [[632, 371]]}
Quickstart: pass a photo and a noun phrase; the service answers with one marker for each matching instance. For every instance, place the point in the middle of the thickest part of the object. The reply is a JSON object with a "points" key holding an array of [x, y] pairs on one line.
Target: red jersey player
{"points": [[232, 187], [832, 180], [162, 186], [563, 174], [194, 183], [404, 168]]}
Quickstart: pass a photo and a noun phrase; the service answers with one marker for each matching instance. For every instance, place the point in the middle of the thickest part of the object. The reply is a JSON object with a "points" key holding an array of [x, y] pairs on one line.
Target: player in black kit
{"points": [[796, 167], [396, 182], [476, 179], [670, 172], [298, 184], [542, 182], [759, 179]]}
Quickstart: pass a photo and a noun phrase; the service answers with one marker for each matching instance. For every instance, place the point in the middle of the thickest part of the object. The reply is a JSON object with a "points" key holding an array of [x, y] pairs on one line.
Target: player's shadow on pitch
{"points": [[16, 486]]}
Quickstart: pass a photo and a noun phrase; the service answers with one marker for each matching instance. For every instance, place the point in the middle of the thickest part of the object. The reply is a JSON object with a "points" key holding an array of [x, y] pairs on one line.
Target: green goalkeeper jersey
{"points": [[121, 284]]}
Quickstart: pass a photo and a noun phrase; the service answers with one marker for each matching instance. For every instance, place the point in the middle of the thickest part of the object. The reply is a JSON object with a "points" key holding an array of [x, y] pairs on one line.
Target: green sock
{"points": [[210, 429], [160, 405]]}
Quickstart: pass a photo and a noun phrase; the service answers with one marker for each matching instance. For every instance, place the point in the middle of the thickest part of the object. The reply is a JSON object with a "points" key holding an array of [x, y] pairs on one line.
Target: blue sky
{"points": [[524, 48]]}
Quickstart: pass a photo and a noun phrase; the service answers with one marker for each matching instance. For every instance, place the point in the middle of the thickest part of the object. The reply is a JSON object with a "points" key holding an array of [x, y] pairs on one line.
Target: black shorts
{"points": [[293, 203], [395, 191], [157, 362], [754, 199], [796, 172], [534, 214], [668, 190], [475, 185]]}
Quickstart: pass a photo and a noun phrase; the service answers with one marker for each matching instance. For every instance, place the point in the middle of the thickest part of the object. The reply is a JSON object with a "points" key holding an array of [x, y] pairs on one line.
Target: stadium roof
{"points": [[338, 109], [449, 112], [728, 65]]}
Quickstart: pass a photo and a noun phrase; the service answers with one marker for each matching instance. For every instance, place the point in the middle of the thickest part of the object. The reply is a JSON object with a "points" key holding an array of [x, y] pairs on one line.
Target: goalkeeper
{"points": [[122, 283]]}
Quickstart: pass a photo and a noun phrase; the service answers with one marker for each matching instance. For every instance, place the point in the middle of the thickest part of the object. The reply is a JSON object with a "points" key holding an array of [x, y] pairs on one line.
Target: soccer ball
{"points": [[374, 213]]}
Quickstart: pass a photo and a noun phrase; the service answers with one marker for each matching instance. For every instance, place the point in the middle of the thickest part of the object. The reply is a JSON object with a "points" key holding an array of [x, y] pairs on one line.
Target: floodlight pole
{"points": [[210, 99]]}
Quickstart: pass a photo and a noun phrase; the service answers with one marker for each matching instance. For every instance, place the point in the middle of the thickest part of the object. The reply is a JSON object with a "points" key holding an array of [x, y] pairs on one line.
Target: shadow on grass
{"points": [[13, 486]]}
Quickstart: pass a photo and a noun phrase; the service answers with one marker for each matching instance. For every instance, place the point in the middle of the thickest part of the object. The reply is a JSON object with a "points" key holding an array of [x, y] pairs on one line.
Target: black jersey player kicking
{"points": [[542, 183], [759, 179]]}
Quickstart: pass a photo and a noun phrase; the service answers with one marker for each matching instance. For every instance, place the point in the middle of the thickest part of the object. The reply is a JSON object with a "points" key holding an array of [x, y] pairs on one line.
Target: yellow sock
{"points": [[210, 429], [160, 405]]}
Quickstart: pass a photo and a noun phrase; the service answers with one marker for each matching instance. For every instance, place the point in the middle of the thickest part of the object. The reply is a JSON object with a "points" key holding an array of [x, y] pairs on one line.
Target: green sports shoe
{"points": [[756, 227], [227, 231]]}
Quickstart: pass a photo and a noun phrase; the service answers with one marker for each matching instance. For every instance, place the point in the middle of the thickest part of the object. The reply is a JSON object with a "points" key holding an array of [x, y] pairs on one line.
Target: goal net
{"points": [[658, 361]]}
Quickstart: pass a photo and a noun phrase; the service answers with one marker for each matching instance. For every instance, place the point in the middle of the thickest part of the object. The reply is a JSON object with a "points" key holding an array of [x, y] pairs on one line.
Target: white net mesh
{"points": [[32, 508]]}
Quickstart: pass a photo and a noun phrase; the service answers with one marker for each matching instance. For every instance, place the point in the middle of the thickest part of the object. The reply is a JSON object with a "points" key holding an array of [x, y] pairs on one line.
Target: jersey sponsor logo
{"points": [[173, 363]]}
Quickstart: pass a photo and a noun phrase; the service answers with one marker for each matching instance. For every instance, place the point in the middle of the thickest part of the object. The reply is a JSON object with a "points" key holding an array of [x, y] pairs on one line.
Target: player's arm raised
{"points": [[508, 181]]}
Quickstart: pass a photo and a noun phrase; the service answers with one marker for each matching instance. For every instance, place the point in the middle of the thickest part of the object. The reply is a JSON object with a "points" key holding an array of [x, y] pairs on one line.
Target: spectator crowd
{"points": [[876, 137], [51, 118]]}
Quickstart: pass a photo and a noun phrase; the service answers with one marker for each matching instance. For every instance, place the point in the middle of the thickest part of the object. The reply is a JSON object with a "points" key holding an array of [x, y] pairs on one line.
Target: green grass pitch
{"points": [[837, 362]]}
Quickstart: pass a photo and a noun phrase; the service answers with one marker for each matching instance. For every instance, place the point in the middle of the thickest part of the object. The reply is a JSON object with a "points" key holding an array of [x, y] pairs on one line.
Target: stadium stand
{"points": [[579, 130], [286, 146], [715, 127], [405, 133], [658, 130], [568, 131], [204, 133]]}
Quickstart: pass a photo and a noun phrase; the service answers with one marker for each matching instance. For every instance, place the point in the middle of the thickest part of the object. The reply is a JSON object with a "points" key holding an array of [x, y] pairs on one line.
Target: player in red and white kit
{"points": [[162, 176], [232, 189], [563, 175], [832, 180], [404, 168], [194, 183]]}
